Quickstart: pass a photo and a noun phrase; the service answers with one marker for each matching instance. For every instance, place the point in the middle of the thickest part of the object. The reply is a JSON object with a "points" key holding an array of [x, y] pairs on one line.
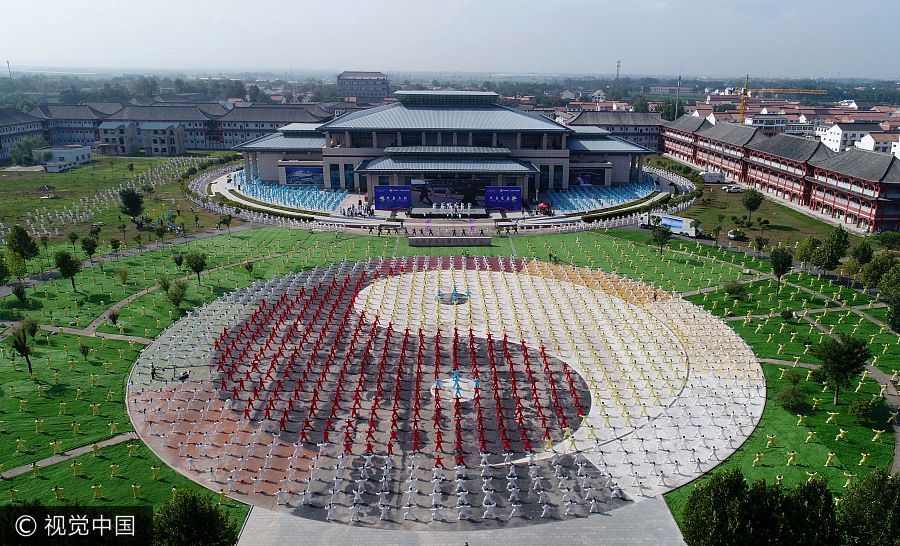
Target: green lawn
{"points": [[761, 297], [786, 225], [771, 338], [884, 344], [116, 491], [828, 287], [60, 371], [811, 456]]}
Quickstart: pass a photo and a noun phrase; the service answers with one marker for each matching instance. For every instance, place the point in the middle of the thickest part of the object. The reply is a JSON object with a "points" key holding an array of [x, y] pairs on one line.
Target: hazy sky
{"points": [[782, 38]]}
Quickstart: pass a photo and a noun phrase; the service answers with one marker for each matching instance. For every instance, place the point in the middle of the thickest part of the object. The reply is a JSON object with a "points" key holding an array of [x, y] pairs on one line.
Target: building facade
{"points": [[643, 129], [162, 138], [445, 140], [843, 136], [15, 126], [857, 188], [364, 86], [60, 158]]}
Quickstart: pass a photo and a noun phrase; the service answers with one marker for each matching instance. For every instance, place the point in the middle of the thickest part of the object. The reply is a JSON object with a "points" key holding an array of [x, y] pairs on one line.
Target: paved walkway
{"points": [[65, 455], [639, 524]]}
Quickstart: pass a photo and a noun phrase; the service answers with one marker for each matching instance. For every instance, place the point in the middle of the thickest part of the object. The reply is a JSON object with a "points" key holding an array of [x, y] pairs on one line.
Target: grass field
{"points": [[786, 225], [789, 436], [20, 198], [682, 266]]}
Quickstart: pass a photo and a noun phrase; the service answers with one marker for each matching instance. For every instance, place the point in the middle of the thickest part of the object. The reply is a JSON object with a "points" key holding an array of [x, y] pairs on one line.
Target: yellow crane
{"points": [[745, 94]]}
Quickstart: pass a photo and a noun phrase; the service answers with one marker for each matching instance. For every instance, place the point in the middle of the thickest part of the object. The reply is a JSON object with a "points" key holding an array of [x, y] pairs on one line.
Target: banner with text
{"points": [[393, 197], [503, 198]]}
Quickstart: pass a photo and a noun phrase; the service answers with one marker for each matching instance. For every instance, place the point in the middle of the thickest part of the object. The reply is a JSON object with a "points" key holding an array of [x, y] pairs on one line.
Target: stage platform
{"points": [[428, 212]]}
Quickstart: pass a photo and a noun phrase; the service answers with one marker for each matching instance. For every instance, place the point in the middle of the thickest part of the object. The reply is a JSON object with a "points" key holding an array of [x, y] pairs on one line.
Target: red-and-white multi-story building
{"points": [[723, 148], [779, 166], [856, 188]]}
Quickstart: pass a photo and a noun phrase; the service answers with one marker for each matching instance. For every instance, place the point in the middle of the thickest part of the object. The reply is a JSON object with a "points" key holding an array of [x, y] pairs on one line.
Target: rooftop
{"points": [[864, 165], [447, 98], [361, 74], [591, 117], [307, 113], [281, 142], [301, 128], [794, 148], [447, 117], [11, 116], [609, 145], [689, 124], [387, 164], [445, 150], [732, 133]]}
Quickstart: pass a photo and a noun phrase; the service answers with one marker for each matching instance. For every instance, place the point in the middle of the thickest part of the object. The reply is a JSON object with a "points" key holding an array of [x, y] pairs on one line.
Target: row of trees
{"points": [[726, 510]]}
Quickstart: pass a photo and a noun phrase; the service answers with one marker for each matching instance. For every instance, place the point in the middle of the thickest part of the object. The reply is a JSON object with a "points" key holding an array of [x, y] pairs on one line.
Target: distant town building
{"points": [[669, 89], [843, 136], [598, 95], [15, 126], [60, 158], [567, 95], [878, 142], [769, 124], [118, 137], [364, 86]]}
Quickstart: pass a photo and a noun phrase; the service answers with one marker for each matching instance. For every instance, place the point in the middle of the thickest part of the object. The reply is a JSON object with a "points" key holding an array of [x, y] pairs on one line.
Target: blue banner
{"points": [[297, 176], [393, 197], [503, 198]]}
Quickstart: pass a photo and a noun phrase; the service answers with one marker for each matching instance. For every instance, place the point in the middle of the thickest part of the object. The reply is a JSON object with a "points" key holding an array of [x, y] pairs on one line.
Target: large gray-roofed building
{"points": [[641, 128], [395, 164], [611, 144], [15, 126], [794, 148], [688, 124], [281, 142], [863, 165], [161, 113], [731, 133]]}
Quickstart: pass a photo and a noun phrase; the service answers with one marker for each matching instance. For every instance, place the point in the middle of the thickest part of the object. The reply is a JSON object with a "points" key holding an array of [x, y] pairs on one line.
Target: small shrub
{"points": [[84, 350], [123, 275], [792, 377], [164, 282], [736, 290], [178, 259], [113, 316], [18, 291], [787, 315], [791, 398]]}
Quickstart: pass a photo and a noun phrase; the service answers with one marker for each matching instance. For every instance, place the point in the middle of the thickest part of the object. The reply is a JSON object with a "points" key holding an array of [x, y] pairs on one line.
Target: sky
{"points": [[766, 38]]}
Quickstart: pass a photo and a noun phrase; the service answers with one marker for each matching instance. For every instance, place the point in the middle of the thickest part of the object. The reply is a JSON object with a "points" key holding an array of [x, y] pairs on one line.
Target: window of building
{"points": [[532, 141], [544, 183], [335, 176], [482, 139], [348, 177], [384, 180], [361, 140], [411, 139], [558, 177]]}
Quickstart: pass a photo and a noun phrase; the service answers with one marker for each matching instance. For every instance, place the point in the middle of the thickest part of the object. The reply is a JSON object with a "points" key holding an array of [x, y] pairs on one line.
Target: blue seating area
{"points": [[308, 198], [587, 198]]}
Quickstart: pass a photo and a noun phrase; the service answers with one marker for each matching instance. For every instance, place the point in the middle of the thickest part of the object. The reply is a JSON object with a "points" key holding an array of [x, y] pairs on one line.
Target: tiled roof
{"points": [[794, 148], [401, 117], [590, 117], [105, 108], [386, 164], [732, 133], [609, 145], [279, 142], [66, 111], [688, 124], [11, 116], [160, 113], [360, 74], [275, 114], [863, 164]]}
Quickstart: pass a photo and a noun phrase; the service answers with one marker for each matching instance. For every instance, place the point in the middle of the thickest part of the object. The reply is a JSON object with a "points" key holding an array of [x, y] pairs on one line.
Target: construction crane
{"points": [[745, 94]]}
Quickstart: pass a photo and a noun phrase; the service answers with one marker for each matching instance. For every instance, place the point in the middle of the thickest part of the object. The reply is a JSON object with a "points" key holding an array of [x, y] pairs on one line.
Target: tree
{"points": [[809, 516], [842, 359], [714, 513], [73, 238], [226, 221], [18, 340], [22, 152], [89, 246], [122, 273], [114, 244], [160, 233], [871, 273], [639, 104], [196, 261], [760, 243], [716, 231], [889, 284], [862, 252], [660, 236], [751, 200], [45, 242], [132, 202], [868, 514], [4, 271], [806, 250], [782, 262], [249, 267], [16, 265], [138, 239], [889, 240], [894, 314], [177, 521], [670, 109], [68, 265], [20, 242], [84, 350], [834, 247], [178, 259], [177, 292]]}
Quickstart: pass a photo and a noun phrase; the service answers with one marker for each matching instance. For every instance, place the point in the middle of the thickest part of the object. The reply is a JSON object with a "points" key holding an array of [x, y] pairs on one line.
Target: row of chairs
{"points": [[587, 198], [309, 198]]}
